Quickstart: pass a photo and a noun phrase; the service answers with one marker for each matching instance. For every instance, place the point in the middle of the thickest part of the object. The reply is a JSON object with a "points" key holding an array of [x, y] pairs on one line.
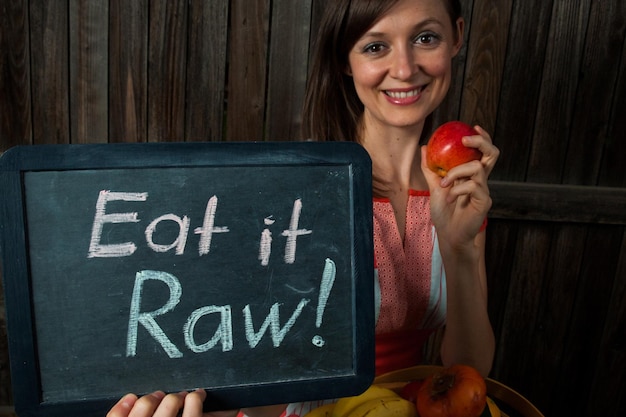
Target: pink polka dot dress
{"points": [[411, 288]]}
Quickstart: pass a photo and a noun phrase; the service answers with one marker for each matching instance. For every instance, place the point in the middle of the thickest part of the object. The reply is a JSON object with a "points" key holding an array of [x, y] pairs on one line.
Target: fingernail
{"points": [[128, 401], [158, 394]]}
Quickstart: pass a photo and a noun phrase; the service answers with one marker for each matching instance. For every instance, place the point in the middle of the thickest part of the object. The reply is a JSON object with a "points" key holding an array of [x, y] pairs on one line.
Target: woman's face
{"points": [[401, 66]]}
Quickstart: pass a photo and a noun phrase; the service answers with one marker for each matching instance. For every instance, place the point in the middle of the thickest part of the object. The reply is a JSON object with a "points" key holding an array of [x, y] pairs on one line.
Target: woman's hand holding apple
{"points": [[460, 200]]}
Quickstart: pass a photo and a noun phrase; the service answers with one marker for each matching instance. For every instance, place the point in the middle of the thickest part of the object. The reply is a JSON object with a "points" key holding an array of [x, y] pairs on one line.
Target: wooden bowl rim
{"points": [[495, 389]]}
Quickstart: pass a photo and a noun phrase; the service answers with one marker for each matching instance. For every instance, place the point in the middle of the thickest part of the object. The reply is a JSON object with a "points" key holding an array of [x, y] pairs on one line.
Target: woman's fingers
{"points": [[465, 192], [170, 405], [459, 201], [193, 403], [484, 144], [141, 407], [123, 406], [147, 405], [159, 404]]}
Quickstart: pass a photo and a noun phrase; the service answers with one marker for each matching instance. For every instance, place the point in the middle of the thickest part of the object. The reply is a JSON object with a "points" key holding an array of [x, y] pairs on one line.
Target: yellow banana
{"points": [[493, 408], [325, 410], [385, 407], [347, 404]]}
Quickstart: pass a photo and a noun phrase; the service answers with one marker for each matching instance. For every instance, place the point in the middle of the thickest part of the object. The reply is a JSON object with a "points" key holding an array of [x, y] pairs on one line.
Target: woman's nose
{"points": [[403, 64]]}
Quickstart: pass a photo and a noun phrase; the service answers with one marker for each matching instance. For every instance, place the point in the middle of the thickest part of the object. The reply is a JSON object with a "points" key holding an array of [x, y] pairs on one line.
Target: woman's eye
{"points": [[373, 48], [426, 39]]}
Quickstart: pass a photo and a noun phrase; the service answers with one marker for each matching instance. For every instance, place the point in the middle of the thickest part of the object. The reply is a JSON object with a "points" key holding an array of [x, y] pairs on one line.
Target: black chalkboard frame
{"points": [[25, 373]]}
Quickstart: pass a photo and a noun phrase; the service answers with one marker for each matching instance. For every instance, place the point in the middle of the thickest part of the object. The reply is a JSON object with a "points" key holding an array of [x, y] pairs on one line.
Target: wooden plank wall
{"points": [[546, 77]]}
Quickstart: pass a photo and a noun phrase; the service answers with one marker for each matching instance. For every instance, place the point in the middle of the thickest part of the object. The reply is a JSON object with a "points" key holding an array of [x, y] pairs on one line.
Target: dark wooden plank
{"points": [[605, 39], [520, 89], [558, 203], [485, 61], [558, 91], [544, 356], [206, 69], [50, 71], [610, 367], [586, 324], [15, 129], [500, 248], [88, 56], [287, 69], [128, 78], [15, 110], [247, 70], [317, 10], [612, 172], [522, 303], [16, 117], [167, 52], [7, 411]]}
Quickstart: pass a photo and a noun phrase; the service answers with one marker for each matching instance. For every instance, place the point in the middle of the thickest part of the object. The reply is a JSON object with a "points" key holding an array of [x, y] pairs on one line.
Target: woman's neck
{"points": [[395, 154]]}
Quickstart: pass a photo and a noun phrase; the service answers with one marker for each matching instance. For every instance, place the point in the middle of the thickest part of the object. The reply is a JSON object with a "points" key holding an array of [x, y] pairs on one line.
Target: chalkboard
{"points": [[242, 268]]}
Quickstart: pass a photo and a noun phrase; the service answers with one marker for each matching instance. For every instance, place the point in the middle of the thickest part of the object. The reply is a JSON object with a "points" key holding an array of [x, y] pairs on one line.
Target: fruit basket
{"points": [[510, 402]]}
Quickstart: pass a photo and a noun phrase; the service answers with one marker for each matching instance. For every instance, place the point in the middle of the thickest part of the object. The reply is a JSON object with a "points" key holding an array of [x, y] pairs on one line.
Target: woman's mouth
{"points": [[404, 96]]}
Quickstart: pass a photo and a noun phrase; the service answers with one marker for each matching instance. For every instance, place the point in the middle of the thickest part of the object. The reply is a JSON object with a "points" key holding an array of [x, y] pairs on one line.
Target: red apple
{"points": [[445, 149]]}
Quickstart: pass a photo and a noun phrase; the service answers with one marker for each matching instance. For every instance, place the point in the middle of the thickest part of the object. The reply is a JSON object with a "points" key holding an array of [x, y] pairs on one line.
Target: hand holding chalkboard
{"points": [[166, 406], [242, 268]]}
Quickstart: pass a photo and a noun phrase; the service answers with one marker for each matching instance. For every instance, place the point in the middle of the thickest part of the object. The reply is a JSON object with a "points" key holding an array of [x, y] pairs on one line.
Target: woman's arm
{"points": [[460, 203], [468, 336]]}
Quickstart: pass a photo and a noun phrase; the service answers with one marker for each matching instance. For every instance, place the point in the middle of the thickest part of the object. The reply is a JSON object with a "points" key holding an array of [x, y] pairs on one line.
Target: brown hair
{"points": [[332, 108]]}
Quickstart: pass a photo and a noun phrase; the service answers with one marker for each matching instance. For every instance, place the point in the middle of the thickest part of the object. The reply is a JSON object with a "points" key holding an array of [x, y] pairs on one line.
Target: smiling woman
{"points": [[380, 69]]}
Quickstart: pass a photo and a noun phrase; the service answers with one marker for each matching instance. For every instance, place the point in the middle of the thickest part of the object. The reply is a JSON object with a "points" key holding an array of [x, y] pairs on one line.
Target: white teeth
{"points": [[402, 94]]}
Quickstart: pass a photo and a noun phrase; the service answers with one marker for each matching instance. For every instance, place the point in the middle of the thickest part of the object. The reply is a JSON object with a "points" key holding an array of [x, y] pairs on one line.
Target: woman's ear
{"points": [[348, 70], [458, 36]]}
